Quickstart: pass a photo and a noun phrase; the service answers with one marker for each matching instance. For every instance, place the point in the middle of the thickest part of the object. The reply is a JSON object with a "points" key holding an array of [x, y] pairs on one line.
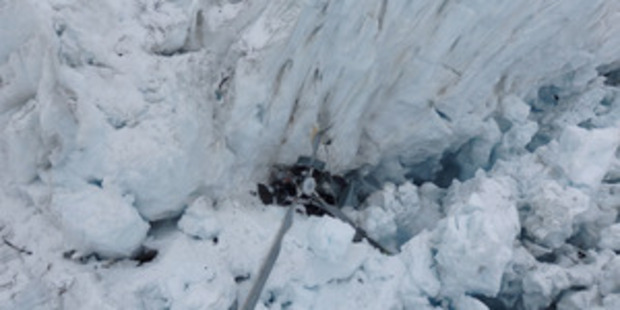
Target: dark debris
{"points": [[145, 255], [286, 185]]}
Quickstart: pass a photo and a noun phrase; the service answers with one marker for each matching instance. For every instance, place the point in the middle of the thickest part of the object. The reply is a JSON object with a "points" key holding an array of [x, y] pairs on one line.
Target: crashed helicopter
{"points": [[307, 183]]}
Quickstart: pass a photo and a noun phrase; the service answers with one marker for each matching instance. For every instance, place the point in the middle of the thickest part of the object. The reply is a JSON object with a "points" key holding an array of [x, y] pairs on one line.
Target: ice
{"points": [[381, 225], [518, 129], [200, 220], [396, 213], [609, 282], [474, 241], [329, 239], [578, 300], [421, 279], [587, 154], [542, 285], [611, 301], [99, 221], [491, 132], [553, 211], [610, 238]]}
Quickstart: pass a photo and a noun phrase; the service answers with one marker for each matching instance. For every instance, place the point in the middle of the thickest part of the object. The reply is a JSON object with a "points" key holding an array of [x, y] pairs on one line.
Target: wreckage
{"points": [[308, 185]]}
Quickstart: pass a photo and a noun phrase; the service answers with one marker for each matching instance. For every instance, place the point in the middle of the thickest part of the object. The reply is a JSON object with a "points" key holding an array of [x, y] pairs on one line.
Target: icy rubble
{"points": [[493, 130], [484, 224], [552, 212]]}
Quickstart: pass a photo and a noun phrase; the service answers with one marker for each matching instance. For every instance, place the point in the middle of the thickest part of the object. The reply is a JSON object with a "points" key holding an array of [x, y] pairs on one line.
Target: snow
{"points": [[99, 221], [588, 153], [483, 225], [489, 135], [200, 220], [329, 239], [610, 238], [553, 212]]}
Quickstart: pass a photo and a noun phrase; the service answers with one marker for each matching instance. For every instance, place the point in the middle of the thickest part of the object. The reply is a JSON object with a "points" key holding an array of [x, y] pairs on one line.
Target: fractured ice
{"points": [[484, 139]]}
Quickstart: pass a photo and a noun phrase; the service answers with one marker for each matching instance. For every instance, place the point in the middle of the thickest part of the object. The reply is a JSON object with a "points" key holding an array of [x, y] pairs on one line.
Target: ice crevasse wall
{"points": [[129, 110]]}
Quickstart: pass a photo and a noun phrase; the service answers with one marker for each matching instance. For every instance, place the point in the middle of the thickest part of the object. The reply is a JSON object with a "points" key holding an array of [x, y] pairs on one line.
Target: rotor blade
{"points": [[270, 260], [337, 213]]}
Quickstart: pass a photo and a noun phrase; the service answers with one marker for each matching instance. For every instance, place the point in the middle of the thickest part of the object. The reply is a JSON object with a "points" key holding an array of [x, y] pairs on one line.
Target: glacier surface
{"points": [[490, 132]]}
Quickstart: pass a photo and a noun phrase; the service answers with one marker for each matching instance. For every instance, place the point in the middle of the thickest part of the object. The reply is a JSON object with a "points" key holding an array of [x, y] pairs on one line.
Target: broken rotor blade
{"points": [[270, 260], [337, 213]]}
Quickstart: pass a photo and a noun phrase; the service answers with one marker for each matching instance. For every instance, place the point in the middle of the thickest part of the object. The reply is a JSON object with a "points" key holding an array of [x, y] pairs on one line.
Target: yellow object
{"points": [[315, 130]]}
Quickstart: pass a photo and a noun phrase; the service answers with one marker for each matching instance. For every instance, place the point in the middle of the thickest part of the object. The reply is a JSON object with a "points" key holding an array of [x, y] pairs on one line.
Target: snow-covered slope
{"points": [[493, 128]]}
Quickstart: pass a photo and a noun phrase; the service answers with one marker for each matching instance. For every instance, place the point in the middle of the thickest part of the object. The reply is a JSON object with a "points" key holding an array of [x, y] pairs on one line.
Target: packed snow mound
{"points": [[99, 221], [490, 134]]}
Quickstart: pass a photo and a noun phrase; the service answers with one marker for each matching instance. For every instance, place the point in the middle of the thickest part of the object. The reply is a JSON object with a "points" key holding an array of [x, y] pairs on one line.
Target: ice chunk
{"points": [[610, 237], [553, 210], [469, 303], [396, 213], [587, 154], [514, 109], [198, 293], [474, 242], [99, 221], [608, 197], [200, 220], [421, 278], [578, 300], [123, 103], [188, 275], [542, 284], [330, 238]]}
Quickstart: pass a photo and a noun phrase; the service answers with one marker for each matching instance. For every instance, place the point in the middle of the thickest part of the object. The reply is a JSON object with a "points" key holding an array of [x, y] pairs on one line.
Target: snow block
{"points": [[553, 210], [474, 243], [330, 238], [395, 214], [587, 154], [542, 284], [200, 220], [99, 221], [421, 279], [470, 303]]}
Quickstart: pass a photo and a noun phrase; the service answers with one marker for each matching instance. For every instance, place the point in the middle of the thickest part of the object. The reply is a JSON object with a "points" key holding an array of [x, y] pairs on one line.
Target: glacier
{"points": [[490, 132]]}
